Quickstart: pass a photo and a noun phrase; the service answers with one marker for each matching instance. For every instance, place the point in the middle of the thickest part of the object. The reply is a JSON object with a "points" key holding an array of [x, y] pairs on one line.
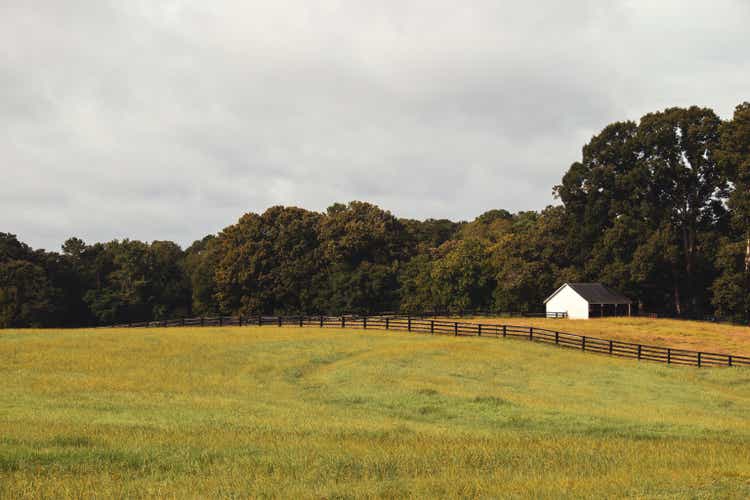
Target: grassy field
{"points": [[289, 412], [681, 334]]}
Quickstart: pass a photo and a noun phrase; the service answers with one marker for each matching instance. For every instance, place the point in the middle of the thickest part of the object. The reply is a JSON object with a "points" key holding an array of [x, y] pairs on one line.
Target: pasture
{"points": [[680, 334], [311, 413]]}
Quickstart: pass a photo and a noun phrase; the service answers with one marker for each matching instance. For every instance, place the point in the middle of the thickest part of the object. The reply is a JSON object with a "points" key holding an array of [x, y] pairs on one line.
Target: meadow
{"points": [[328, 413], [679, 334]]}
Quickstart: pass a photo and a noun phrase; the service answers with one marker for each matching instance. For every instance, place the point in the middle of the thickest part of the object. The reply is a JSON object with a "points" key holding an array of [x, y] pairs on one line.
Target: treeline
{"points": [[659, 209]]}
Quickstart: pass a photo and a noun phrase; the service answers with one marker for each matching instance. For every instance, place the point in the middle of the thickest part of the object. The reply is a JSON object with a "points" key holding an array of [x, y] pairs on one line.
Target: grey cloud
{"points": [[169, 120]]}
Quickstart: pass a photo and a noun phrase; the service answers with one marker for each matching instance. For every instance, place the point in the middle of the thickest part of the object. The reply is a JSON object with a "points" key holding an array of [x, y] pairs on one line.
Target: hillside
{"points": [[682, 334], [329, 413]]}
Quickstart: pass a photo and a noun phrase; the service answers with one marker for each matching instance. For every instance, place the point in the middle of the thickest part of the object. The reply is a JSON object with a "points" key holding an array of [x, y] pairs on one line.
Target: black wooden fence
{"points": [[481, 313], [406, 323]]}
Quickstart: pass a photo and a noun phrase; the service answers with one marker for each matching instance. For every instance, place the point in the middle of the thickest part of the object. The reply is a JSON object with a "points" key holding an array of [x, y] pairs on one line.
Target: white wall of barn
{"points": [[567, 300]]}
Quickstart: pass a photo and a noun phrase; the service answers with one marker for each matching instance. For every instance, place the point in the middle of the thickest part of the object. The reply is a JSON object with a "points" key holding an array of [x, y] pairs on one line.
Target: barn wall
{"points": [[567, 300]]}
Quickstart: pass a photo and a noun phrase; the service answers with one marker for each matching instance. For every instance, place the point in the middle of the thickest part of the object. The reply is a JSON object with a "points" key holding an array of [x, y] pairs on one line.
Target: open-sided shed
{"points": [[587, 300]]}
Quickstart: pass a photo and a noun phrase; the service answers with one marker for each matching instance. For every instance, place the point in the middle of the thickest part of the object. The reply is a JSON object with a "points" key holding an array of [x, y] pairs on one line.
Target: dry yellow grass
{"points": [[680, 334], [310, 413]]}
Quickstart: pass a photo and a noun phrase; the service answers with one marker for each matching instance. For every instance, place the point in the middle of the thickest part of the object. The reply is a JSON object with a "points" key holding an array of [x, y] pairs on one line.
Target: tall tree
{"points": [[687, 190], [169, 284], [606, 184], [461, 276], [530, 260], [732, 287], [200, 265], [13, 249], [657, 177], [735, 157], [266, 263], [136, 281], [415, 284], [27, 298], [431, 233], [362, 249]]}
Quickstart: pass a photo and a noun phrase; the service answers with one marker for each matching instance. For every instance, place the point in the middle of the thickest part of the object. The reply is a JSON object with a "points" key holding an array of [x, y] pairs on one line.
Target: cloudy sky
{"points": [[168, 120]]}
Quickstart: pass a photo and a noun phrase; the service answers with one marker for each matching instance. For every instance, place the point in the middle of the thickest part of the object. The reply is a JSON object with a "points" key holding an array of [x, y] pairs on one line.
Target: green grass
{"points": [[289, 412]]}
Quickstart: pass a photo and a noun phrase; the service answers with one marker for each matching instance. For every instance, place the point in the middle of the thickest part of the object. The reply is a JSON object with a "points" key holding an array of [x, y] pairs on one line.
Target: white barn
{"points": [[587, 300]]}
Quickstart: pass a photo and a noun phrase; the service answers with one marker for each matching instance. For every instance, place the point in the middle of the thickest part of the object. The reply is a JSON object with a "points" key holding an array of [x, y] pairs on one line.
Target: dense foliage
{"points": [[659, 209]]}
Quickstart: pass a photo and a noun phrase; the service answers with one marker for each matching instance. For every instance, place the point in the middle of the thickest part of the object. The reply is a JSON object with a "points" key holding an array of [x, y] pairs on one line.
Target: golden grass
{"points": [[310, 413], [680, 334]]}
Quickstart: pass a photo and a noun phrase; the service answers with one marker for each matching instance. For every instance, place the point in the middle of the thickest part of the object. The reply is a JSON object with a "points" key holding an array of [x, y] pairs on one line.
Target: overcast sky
{"points": [[169, 120]]}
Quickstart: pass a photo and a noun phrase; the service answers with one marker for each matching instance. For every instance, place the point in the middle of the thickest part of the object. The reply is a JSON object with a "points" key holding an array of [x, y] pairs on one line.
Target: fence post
{"points": [[364, 322], [183, 321], [221, 320], [583, 343], [260, 320], [479, 330], [699, 359], [505, 330], [343, 321], [531, 333], [432, 327], [321, 321], [387, 321], [557, 337], [610, 347], [639, 351], [455, 329], [279, 320], [203, 321], [729, 360], [408, 324], [239, 320], [669, 356], [301, 319]]}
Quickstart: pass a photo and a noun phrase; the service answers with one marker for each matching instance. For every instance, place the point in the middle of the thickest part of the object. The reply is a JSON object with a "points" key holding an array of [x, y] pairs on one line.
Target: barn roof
{"points": [[595, 293]]}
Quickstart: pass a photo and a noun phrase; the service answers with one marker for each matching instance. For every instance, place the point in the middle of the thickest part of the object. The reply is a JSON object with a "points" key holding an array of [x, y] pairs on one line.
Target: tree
{"points": [[169, 294], [30, 281], [604, 185], [27, 299], [266, 263], [123, 291], [200, 265], [731, 290], [461, 276], [416, 285], [488, 227], [431, 233], [530, 260], [135, 281], [732, 287], [636, 180], [362, 249], [12, 249], [687, 189]]}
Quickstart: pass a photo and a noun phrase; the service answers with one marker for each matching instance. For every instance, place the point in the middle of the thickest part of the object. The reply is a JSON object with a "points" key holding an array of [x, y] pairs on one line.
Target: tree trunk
{"points": [[688, 240], [677, 305], [747, 255]]}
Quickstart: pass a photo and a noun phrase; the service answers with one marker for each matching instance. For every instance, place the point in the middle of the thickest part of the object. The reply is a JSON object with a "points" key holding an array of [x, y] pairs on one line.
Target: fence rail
{"points": [[420, 324], [480, 313]]}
